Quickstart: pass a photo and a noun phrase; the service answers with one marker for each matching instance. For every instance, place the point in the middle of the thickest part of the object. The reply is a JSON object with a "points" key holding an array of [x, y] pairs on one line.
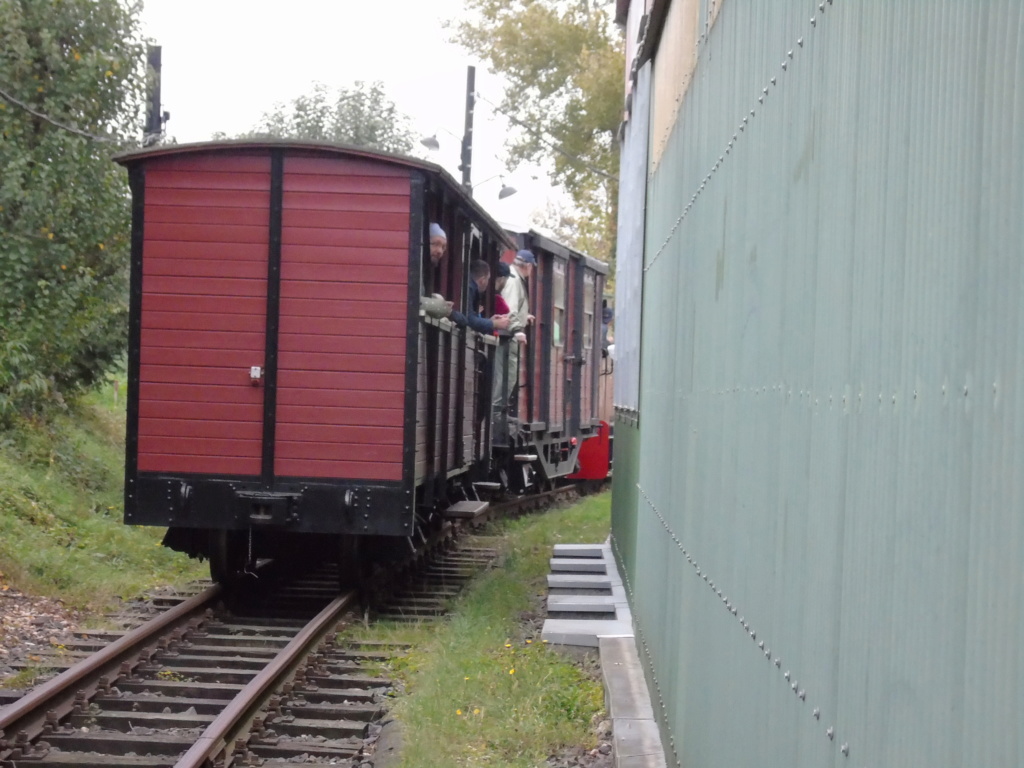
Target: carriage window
{"points": [[558, 295], [588, 310]]}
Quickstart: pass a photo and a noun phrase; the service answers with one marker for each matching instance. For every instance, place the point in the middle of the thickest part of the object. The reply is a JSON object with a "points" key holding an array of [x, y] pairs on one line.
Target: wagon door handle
{"points": [[255, 375]]}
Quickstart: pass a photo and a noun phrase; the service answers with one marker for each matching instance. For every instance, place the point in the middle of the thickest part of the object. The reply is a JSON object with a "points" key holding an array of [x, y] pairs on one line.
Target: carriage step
{"points": [[466, 510], [526, 457], [487, 485]]}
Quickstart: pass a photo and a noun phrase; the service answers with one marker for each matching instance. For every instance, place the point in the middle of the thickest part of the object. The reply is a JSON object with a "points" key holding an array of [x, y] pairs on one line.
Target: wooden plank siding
{"points": [[203, 303], [343, 314], [469, 408], [453, 378]]}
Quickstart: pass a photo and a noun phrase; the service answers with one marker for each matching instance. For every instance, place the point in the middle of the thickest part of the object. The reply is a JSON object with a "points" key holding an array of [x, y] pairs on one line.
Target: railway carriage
{"points": [[558, 411], [284, 384]]}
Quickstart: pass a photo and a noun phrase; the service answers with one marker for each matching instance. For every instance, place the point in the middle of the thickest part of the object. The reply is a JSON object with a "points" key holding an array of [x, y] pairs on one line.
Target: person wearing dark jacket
{"points": [[479, 276]]}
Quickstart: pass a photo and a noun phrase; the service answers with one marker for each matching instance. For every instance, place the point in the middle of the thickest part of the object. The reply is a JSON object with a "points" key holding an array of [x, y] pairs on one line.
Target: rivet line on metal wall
{"points": [[794, 685], [740, 128], [650, 660]]}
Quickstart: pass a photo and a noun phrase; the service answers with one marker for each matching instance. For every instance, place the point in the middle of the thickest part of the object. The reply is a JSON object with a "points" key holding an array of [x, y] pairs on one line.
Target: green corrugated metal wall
{"points": [[624, 496], [831, 407]]}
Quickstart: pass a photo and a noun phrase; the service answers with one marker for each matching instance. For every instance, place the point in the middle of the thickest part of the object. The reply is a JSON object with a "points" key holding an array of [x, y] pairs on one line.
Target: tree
{"points": [[362, 116], [71, 83], [564, 64]]}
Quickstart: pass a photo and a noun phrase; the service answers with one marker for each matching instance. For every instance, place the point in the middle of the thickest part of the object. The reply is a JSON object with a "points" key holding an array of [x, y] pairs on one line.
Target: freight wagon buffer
{"points": [[276, 349]]}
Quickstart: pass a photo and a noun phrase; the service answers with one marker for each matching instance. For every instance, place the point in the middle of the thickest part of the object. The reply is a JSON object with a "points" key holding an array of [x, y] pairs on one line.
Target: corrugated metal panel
{"points": [[630, 246], [832, 363]]}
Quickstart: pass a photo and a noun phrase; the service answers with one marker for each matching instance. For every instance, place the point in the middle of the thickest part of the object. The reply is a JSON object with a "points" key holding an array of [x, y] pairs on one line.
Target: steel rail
{"points": [[28, 713], [220, 736]]}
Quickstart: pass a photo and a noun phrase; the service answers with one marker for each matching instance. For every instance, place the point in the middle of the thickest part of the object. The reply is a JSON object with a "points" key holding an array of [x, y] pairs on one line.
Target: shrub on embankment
{"points": [[61, 505]]}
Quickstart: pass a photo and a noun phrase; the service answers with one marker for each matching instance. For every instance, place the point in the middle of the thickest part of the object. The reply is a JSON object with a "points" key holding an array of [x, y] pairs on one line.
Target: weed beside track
{"points": [[480, 687]]}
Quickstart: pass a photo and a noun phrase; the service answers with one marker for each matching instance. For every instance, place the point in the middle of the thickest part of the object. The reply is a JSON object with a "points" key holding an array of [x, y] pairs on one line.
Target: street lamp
{"points": [[506, 190]]}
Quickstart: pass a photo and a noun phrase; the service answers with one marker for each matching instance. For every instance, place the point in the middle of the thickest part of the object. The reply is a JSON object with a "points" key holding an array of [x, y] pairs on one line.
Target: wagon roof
{"points": [[548, 243], [169, 150]]}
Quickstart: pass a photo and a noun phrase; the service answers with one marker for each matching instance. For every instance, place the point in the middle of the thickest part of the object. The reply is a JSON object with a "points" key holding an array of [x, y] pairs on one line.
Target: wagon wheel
{"points": [[230, 556]]}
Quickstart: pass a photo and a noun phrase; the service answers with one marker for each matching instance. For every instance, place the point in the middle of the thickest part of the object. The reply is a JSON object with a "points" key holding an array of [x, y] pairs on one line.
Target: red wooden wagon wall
{"points": [[203, 314], [344, 284], [342, 313]]}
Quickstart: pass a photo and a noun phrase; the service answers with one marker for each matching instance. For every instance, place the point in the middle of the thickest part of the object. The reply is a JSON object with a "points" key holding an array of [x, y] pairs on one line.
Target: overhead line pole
{"points": [[467, 136]]}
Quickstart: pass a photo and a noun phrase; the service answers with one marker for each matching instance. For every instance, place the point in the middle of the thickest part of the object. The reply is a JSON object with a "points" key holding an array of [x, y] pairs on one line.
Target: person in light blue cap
{"points": [[438, 243]]}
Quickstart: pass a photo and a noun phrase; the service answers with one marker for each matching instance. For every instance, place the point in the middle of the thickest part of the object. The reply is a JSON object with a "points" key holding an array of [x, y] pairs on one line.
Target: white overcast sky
{"points": [[226, 62]]}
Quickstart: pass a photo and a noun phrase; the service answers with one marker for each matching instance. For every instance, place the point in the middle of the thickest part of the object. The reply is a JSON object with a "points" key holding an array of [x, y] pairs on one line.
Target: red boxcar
{"points": [[283, 379]]}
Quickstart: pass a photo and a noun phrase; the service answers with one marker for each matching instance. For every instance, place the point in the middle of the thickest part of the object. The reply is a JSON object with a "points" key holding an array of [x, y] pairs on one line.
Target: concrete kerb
{"points": [[608, 626]]}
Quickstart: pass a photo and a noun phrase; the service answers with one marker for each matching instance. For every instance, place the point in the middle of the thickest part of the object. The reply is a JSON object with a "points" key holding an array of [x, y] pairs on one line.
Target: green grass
{"points": [[61, 535], [481, 687]]}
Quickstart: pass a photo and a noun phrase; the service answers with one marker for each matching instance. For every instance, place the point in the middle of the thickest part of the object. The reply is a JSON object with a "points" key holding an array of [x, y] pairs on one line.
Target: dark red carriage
{"points": [[283, 383]]}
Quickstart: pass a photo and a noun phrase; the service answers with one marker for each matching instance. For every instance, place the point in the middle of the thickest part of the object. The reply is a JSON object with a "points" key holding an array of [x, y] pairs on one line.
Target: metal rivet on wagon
{"points": [[790, 54], [786, 675], [821, 7], [773, 81], [800, 42], [814, 21], [785, 65], [831, 732], [845, 749], [816, 713], [778, 662]]}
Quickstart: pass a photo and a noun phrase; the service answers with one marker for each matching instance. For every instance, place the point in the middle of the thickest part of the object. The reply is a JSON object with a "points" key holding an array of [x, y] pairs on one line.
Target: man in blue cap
{"points": [[516, 296]]}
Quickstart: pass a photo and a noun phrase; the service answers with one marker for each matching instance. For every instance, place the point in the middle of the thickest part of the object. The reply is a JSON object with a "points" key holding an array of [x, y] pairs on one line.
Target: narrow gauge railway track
{"points": [[260, 685], [263, 684]]}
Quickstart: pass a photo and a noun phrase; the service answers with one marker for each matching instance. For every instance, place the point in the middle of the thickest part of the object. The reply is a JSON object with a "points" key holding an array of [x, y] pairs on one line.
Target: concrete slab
{"points": [[624, 683], [583, 632], [577, 565], [637, 738], [640, 761], [579, 550], [579, 581], [581, 603]]}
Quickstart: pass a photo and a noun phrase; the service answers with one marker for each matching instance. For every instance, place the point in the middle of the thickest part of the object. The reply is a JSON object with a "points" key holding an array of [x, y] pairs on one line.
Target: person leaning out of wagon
{"points": [[500, 279], [515, 294], [432, 302], [479, 276]]}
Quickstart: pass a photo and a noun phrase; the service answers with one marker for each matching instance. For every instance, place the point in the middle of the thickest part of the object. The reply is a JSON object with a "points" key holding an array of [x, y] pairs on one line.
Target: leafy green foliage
{"points": [[564, 64], [64, 206], [362, 116]]}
